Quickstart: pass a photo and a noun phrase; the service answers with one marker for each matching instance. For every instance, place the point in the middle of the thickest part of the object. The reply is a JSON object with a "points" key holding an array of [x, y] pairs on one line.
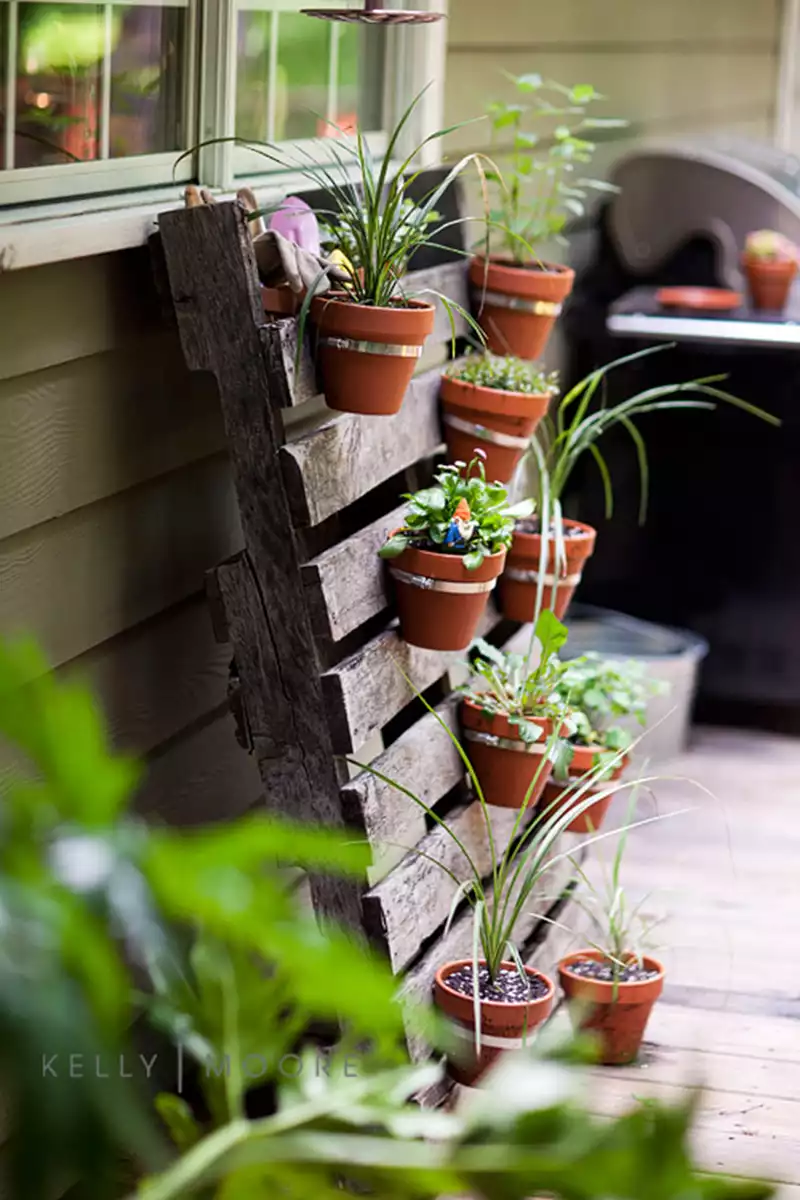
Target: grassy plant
{"points": [[508, 684], [338, 234], [505, 373], [599, 692], [619, 929], [372, 211], [575, 428], [461, 514], [545, 186]]}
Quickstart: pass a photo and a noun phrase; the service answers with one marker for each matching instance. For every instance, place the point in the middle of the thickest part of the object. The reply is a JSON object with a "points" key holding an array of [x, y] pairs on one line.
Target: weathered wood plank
{"points": [[418, 981], [366, 690], [80, 431], [212, 275], [347, 585], [95, 572], [301, 383], [335, 464], [414, 899], [426, 762]]}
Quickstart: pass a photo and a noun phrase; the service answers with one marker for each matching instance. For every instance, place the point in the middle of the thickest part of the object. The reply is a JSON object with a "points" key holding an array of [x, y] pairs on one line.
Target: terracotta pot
{"points": [[503, 1026], [441, 615], [618, 1015], [367, 355], [559, 795], [516, 306], [499, 423], [769, 282], [518, 588], [505, 770], [281, 300]]}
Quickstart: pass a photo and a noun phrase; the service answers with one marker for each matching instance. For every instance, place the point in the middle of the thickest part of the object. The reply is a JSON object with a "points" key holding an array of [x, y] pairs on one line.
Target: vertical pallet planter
{"points": [[307, 608]]}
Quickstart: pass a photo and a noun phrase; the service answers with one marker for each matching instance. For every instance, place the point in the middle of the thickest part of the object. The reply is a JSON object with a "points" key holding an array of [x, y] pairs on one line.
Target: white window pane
{"points": [[252, 80], [146, 81], [59, 72], [96, 81], [301, 92], [290, 77]]}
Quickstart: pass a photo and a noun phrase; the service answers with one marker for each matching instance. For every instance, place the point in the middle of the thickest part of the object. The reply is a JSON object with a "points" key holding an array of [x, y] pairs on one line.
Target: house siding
{"points": [[115, 498]]}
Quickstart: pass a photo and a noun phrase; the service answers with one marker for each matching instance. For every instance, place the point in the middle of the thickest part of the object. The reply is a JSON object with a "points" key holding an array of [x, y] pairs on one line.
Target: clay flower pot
{"points": [[518, 306], [504, 1026], [618, 1015], [504, 764], [769, 281], [560, 795], [367, 355], [520, 580], [498, 422], [439, 601], [281, 300]]}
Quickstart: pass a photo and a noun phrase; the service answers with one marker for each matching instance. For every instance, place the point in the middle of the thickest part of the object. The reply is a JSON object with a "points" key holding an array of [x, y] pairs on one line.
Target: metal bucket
{"points": [[672, 655]]}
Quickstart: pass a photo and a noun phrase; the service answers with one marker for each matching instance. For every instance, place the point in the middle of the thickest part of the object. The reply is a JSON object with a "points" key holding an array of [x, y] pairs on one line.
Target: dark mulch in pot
{"points": [[533, 525], [589, 968], [508, 988]]}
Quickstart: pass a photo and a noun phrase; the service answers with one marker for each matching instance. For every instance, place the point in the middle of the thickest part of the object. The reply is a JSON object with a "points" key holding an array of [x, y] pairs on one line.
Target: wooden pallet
{"points": [[307, 608]]}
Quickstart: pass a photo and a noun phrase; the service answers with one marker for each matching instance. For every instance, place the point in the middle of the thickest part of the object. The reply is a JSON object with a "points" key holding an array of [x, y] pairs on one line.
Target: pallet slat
{"points": [[426, 762], [327, 469], [347, 585], [365, 691]]}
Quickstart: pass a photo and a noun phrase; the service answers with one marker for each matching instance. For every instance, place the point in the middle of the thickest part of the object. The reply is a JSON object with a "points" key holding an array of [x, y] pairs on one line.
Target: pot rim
{"points": [[477, 387], [492, 561], [341, 299], [494, 1006], [630, 986], [508, 264], [588, 531]]}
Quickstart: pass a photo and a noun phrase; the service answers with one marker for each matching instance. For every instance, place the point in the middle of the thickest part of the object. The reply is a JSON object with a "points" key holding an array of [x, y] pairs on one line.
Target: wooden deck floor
{"points": [[727, 879]]}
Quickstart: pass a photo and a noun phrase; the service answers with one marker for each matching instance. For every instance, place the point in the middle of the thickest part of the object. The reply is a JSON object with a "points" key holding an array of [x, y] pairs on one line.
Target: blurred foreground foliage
{"points": [[104, 918]]}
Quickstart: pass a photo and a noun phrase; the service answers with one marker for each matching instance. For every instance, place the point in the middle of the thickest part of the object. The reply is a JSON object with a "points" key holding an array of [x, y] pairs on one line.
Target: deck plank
{"points": [[725, 876]]}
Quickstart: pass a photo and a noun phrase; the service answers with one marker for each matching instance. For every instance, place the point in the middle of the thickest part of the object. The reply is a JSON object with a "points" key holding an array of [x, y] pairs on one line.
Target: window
{"points": [[97, 98]]}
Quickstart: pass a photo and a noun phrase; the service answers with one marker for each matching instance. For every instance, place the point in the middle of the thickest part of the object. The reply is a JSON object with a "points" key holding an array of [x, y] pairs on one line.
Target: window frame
{"points": [[210, 105]]}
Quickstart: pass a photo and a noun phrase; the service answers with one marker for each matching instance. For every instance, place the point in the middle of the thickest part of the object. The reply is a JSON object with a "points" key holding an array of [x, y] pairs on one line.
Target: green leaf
{"points": [[179, 1120], [396, 544], [473, 559]]}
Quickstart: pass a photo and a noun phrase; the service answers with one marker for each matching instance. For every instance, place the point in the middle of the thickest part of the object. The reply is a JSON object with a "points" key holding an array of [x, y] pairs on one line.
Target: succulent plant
{"points": [[769, 246]]}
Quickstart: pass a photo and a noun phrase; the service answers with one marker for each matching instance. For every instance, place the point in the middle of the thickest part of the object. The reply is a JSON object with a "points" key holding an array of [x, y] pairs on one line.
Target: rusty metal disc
{"points": [[373, 16]]}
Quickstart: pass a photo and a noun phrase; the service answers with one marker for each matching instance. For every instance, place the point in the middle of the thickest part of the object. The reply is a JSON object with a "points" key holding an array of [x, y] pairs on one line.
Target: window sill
{"points": [[32, 237]]}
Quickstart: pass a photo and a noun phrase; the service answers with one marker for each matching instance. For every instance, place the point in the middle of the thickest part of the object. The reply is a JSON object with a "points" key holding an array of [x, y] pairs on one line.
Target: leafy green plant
{"points": [[599, 691], [543, 189], [505, 373], [766, 245], [80, 878], [575, 427], [507, 683], [461, 514]]}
